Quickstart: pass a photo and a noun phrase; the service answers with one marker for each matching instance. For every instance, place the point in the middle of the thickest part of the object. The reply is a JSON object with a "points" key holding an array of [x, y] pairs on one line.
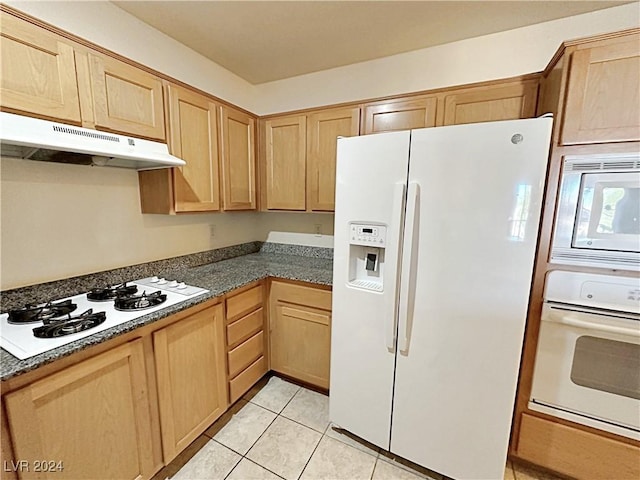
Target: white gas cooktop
{"points": [[19, 340]]}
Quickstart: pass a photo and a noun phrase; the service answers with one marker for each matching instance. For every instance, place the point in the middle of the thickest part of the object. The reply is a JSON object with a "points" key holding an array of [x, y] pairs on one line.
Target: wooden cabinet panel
{"points": [[190, 366], [243, 302], [194, 138], [38, 72], [603, 94], [238, 160], [125, 99], [576, 453], [323, 130], [245, 354], [300, 333], [285, 163], [406, 114], [246, 327], [490, 103], [93, 417], [243, 382]]}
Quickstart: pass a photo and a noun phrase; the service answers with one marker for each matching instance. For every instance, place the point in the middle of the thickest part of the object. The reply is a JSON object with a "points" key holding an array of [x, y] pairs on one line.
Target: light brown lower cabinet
{"points": [[190, 369], [87, 421], [300, 332]]}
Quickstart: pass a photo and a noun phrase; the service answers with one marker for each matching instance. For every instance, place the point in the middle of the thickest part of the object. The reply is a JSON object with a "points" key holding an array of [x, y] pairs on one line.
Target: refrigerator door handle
{"points": [[392, 314], [407, 279]]}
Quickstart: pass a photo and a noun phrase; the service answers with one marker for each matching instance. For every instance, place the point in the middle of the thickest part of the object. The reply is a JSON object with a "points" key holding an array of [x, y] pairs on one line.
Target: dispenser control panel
{"points": [[369, 235]]}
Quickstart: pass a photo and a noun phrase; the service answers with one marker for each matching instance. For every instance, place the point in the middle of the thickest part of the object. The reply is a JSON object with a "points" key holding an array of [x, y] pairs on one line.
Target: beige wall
{"points": [[62, 220], [506, 54]]}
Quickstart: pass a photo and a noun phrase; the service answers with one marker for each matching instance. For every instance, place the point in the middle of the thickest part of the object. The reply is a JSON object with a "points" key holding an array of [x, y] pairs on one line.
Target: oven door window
{"points": [[607, 365], [608, 213]]}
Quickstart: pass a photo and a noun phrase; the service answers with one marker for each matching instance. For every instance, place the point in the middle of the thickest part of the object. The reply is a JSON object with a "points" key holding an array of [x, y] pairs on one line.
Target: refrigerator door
{"points": [[370, 189], [475, 194]]}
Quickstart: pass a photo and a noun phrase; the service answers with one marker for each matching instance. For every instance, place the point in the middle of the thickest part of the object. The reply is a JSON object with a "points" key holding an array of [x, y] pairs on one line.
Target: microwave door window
{"points": [[608, 214]]}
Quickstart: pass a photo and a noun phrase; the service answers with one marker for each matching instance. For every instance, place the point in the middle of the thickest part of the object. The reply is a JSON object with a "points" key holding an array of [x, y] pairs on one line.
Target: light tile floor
{"points": [[280, 430]]}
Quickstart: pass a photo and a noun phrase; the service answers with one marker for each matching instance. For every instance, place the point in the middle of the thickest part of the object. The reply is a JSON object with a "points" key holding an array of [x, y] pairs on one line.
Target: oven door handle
{"points": [[568, 319]]}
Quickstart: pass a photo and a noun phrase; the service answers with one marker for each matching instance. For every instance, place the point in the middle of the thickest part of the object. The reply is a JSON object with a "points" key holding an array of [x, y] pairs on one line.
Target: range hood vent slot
{"points": [[84, 133]]}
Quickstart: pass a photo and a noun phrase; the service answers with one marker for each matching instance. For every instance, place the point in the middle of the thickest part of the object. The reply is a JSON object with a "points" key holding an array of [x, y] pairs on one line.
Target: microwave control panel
{"points": [[368, 235]]}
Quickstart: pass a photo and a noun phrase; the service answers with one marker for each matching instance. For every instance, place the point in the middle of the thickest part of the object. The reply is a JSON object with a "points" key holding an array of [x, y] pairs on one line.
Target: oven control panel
{"points": [[591, 290]]}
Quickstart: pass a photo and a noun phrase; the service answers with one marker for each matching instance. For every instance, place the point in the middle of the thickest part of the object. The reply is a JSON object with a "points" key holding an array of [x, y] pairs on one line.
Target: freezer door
{"points": [[473, 211], [370, 190]]}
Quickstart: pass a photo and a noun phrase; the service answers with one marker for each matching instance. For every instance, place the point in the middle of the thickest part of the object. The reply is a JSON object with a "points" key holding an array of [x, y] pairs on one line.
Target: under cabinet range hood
{"points": [[35, 139]]}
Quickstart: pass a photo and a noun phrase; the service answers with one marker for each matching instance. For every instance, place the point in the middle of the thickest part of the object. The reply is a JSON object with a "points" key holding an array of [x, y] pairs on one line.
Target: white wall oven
{"points": [[598, 217], [587, 366]]}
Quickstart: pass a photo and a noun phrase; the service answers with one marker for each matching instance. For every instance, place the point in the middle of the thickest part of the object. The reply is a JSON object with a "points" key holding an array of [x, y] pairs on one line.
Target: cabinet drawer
{"points": [[243, 382], [301, 295], [243, 355], [243, 303], [242, 329]]}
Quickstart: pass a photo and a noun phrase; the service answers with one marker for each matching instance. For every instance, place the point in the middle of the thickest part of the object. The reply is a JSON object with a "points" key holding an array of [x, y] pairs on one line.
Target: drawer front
{"points": [[243, 382], [243, 303], [245, 328], [245, 354], [301, 295]]}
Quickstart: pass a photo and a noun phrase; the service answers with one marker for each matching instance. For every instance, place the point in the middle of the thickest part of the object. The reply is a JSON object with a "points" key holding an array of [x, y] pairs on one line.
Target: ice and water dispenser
{"points": [[366, 256]]}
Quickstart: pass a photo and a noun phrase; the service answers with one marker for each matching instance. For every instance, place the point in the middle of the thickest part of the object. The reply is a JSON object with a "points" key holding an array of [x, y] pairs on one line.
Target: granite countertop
{"points": [[219, 278]]}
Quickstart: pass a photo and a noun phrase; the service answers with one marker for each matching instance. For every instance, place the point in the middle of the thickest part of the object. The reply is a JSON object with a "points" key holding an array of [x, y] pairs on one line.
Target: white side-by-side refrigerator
{"points": [[435, 238]]}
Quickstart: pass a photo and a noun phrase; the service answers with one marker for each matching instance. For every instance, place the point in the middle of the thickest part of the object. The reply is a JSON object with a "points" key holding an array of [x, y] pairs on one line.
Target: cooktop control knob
{"points": [[181, 285], [172, 284], [154, 279], [162, 281]]}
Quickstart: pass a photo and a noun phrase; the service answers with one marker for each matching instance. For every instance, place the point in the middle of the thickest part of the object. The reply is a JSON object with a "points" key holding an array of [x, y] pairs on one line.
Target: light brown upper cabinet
{"points": [[488, 103], [603, 93], [323, 129], [285, 152], [38, 75], [77, 414], [404, 114], [193, 127], [120, 98], [238, 160], [192, 384], [193, 136]]}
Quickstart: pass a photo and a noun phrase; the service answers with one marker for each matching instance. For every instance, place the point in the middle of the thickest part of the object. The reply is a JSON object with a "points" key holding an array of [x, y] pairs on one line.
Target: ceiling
{"points": [[262, 41]]}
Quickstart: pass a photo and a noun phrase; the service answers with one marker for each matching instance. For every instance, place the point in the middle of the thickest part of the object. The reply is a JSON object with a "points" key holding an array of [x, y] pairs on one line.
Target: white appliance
{"points": [[587, 366], [20, 341], [34, 139], [598, 217], [435, 237]]}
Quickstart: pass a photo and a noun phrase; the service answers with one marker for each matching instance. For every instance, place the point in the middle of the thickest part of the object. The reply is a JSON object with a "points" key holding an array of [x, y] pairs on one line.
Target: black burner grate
{"points": [[40, 313], [111, 292], [66, 326], [140, 302]]}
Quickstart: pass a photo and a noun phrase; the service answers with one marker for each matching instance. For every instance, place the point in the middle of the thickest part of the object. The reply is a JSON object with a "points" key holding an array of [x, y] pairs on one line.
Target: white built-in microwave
{"points": [[598, 215]]}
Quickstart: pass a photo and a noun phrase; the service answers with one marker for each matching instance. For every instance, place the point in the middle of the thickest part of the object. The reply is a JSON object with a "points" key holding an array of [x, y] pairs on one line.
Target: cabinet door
{"points": [[603, 95], [93, 418], [125, 99], [38, 72], [404, 114], [285, 163], [194, 138], [300, 332], [323, 130], [190, 368], [238, 160], [491, 103]]}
